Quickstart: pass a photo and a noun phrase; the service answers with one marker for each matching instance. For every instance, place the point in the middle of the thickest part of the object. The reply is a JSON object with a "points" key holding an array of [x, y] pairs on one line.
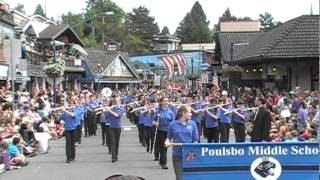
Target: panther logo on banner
{"points": [[190, 156], [266, 168]]}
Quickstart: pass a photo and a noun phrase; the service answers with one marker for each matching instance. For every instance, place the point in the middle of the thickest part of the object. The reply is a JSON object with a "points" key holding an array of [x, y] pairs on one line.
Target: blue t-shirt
{"points": [[194, 116], [69, 121], [13, 150], [182, 133], [236, 118], [225, 118], [166, 116], [115, 121], [209, 121], [148, 119]]}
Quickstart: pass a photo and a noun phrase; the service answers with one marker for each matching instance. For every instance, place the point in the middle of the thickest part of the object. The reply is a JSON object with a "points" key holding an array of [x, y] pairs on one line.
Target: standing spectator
{"points": [[302, 116], [262, 122]]}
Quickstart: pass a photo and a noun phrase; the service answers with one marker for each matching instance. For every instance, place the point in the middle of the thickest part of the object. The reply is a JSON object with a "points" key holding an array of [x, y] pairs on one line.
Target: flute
{"points": [[143, 107], [237, 109], [60, 108], [212, 107]]}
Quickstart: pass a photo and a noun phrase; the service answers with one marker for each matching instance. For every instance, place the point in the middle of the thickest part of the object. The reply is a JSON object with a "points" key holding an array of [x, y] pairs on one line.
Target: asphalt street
{"points": [[92, 161]]}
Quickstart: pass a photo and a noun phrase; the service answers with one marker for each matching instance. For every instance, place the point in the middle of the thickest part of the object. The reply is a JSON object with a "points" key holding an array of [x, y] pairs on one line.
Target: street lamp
{"points": [[192, 76]]}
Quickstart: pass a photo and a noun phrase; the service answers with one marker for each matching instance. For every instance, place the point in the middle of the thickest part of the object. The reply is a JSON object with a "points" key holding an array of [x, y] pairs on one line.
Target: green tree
{"points": [[139, 23], [39, 10], [267, 22], [76, 21], [165, 30], [20, 8], [194, 26]]}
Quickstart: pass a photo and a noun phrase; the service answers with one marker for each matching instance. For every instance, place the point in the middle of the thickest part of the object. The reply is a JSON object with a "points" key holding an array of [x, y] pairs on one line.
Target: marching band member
{"points": [[149, 130], [239, 122], [162, 118], [114, 116], [225, 120], [68, 116], [181, 130], [105, 123], [141, 122], [92, 121], [194, 107], [211, 119]]}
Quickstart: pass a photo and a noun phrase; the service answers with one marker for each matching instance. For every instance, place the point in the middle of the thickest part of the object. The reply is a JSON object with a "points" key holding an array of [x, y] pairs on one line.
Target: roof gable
{"points": [[113, 64], [52, 32]]}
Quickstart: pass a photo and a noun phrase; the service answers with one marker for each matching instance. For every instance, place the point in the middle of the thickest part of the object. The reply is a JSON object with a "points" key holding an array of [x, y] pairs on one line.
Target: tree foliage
{"points": [[267, 22], [140, 24], [194, 26], [39, 10], [165, 30], [20, 8]]}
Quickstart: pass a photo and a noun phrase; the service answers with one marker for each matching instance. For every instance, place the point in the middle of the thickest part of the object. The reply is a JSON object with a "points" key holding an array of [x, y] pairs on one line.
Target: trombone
{"points": [[62, 107], [144, 107]]}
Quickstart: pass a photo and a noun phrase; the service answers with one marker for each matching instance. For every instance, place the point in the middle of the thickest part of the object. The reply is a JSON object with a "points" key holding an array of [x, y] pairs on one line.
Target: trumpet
{"points": [[103, 107], [148, 109], [133, 103]]}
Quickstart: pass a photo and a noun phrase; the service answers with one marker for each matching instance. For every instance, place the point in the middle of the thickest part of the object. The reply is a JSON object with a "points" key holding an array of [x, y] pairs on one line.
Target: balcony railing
{"points": [[6, 16], [36, 58]]}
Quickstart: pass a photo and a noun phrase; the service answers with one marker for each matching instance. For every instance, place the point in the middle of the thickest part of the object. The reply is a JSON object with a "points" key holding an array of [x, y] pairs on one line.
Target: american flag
{"points": [[43, 86], [35, 89], [215, 84], [75, 86], [169, 61], [8, 85]]}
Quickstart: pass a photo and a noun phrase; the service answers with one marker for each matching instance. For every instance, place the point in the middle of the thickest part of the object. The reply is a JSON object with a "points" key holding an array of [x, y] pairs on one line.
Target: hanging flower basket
{"points": [[54, 69]]}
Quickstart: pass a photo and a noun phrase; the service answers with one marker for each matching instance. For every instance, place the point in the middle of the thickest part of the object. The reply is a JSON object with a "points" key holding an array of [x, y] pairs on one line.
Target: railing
{"points": [[6, 16], [35, 58]]}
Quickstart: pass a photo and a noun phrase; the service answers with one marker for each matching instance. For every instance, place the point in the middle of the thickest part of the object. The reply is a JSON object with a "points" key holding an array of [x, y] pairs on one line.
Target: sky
{"points": [[171, 12]]}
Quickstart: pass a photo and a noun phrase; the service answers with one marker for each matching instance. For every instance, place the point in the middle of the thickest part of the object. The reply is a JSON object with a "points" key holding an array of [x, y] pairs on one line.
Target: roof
{"points": [[52, 32], [37, 27], [297, 38], [105, 58], [226, 38]]}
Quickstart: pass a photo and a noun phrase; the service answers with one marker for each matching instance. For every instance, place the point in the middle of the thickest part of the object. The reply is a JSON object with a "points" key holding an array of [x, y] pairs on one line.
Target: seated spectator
{"points": [[4, 157], [16, 157]]}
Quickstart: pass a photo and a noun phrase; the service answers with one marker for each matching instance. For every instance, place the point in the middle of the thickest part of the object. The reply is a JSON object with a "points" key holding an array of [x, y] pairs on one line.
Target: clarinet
{"points": [[155, 133]]}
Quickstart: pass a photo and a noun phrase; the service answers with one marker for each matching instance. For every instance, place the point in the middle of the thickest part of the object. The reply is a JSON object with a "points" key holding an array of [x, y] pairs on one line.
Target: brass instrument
{"points": [[237, 109]]}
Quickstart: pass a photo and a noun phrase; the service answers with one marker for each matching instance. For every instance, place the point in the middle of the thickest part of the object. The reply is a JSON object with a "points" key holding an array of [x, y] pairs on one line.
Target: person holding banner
{"points": [[261, 123], [162, 118], [182, 130]]}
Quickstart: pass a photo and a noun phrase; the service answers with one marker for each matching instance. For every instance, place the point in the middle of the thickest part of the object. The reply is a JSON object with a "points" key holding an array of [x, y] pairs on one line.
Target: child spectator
{"points": [[4, 157]]}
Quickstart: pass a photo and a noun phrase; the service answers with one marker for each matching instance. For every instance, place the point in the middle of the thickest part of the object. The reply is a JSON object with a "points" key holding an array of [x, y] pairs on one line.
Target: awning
{"points": [[80, 49], [120, 82]]}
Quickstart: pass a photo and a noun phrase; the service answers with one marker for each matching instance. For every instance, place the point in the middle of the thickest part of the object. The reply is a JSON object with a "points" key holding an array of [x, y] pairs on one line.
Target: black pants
{"points": [[199, 129], [86, 124], [203, 126], [79, 132], [141, 134], [239, 131], [70, 147], [224, 131], [149, 132], [212, 134], [161, 138], [105, 135], [114, 142]]}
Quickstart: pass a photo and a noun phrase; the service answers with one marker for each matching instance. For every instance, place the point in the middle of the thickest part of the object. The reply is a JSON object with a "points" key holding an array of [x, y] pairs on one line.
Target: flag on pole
{"points": [[60, 88], [35, 89], [215, 83]]}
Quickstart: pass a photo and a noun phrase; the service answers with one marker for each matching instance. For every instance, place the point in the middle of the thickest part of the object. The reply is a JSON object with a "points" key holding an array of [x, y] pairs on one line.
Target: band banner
{"points": [[270, 161]]}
